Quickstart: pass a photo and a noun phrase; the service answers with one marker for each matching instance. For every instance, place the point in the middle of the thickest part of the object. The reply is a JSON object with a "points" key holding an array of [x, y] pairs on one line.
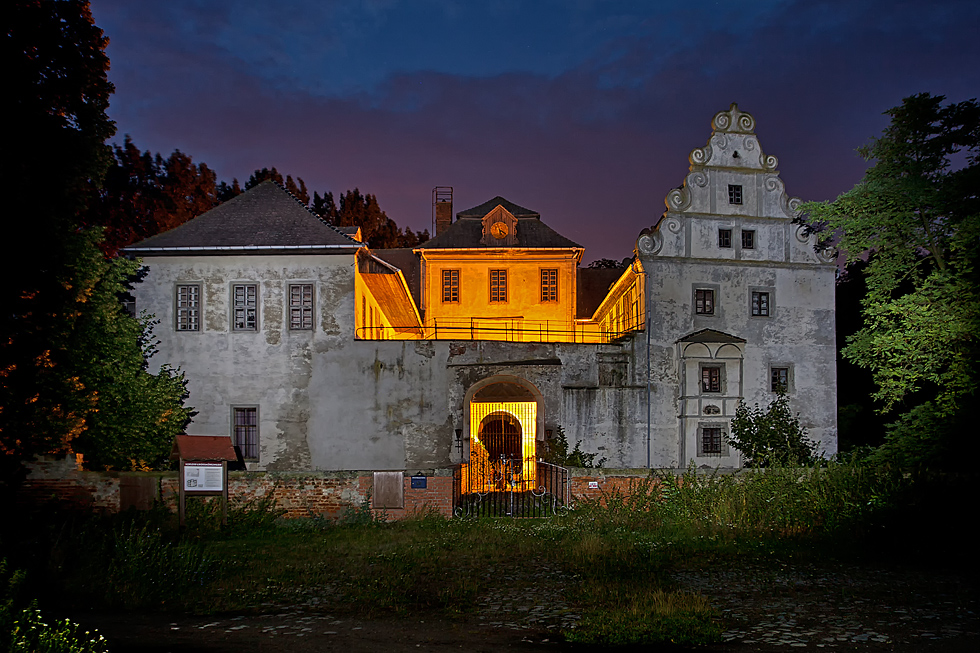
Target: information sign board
{"points": [[203, 477]]}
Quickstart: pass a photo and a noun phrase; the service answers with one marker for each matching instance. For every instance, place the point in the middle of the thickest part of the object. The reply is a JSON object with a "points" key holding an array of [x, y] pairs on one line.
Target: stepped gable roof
{"points": [[467, 231], [266, 217]]}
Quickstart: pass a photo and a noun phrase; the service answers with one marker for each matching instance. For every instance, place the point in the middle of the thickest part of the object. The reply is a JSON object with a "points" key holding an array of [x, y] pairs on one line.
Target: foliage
{"points": [[641, 615], [556, 452], [915, 217], [610, 264], [58, 89], [772, 436], [23, 631], [144, 195]]}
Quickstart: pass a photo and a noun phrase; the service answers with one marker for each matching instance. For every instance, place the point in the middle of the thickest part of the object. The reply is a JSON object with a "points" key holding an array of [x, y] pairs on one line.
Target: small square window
{"points": [[301, 306], [704, 301], [760, 304], [711, 440], [780, 379], [498, 286], [710, 379], [549, 285], [724, 238], [748, 239], [450, 286], [734, 194], [245, 307], [245, 433], [188, 307]]}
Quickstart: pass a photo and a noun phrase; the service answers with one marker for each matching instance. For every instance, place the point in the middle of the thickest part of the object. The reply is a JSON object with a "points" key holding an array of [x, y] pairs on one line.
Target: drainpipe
{"points": [[646, 307]]}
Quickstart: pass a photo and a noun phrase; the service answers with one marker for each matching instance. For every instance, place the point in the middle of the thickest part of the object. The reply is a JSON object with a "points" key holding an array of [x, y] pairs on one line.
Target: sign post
{"points": [[203, 469]]}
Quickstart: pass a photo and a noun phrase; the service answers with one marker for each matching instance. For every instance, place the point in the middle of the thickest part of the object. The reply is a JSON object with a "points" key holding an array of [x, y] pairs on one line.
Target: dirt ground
{"points": [[792, 607]]}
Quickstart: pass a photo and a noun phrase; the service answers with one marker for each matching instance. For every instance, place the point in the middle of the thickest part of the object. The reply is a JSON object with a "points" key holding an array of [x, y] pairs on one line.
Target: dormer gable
{"points": [[499, 228]]}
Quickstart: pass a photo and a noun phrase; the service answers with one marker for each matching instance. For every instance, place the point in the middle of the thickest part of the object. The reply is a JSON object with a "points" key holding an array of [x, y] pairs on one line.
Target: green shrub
{"points": [[771, 437]]}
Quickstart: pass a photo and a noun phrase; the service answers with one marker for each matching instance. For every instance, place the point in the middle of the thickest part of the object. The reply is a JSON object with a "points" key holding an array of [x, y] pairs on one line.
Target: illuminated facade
{"points": [[496, 273]]}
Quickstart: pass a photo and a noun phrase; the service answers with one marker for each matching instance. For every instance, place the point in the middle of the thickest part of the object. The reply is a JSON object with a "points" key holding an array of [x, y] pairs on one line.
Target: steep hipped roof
{"points": [[467, 231], [490, 205], [266, 217]]}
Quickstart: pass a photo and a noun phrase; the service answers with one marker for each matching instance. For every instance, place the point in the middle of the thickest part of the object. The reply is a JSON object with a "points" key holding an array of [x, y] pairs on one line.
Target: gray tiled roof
{"points": [[467, 231], [266, 217]]}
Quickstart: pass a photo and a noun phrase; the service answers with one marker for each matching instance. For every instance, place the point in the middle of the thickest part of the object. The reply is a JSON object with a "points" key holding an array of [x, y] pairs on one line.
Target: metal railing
{"points": [[501, 488]]}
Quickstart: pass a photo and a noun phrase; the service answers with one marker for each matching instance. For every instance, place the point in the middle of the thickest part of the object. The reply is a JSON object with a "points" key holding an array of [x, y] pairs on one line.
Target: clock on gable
{"points": [[499, 228]]}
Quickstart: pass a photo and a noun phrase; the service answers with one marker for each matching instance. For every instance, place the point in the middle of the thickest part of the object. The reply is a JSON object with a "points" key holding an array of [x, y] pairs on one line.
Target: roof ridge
{"points": [[312, 212]]}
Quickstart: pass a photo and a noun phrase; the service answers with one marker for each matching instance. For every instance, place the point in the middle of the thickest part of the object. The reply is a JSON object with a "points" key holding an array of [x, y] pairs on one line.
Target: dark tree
{"points": [[144, 195], [297, 188]]}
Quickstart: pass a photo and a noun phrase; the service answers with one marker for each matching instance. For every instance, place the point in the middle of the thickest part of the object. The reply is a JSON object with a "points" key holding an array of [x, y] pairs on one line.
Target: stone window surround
{"points": [[725, 237], [289, 305], [747, 235], [716, 294], [772, 301], [734, 194], [234, 425], [724, 439], [722, 379], [198, 310], [233, 286], [790, 374]]}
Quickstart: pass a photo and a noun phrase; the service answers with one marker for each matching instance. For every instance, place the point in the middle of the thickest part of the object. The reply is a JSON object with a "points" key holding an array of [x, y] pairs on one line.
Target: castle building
{"points": [[313, 352]]}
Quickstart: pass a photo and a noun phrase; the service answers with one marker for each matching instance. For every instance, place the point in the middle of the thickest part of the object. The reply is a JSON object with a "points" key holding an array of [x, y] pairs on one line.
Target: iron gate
{"points": [[509, 486]]}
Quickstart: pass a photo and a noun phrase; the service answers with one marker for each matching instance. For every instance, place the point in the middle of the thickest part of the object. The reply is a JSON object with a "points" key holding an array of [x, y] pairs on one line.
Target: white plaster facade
{"points": [[329, 401]]}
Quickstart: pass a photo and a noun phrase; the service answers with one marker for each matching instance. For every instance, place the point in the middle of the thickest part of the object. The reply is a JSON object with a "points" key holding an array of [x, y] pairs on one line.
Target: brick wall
{"points": [[62, 481]]}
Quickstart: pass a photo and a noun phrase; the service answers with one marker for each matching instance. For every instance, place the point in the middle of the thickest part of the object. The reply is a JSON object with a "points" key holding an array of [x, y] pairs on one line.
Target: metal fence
{"points": [[503, 488]]}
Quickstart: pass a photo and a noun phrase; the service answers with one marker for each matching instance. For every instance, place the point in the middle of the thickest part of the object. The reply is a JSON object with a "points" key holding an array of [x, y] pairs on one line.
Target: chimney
{"points": [[442, 209]]}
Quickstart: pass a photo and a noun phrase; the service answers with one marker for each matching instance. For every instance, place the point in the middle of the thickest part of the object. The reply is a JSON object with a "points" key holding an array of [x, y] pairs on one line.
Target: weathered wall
{"points": [[683, 253]]}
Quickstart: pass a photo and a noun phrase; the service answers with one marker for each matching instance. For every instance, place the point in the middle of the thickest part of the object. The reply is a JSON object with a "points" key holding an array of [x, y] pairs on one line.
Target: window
{"points": [[710, 379], [780, 379], [734, 194], [246, 431], [549, 285], [301, 306], [704, 301], [760, 304], [498, 286], [189, 307], [724, 238], [711, 440], [244, 299], [450, 286], [748, 239]]}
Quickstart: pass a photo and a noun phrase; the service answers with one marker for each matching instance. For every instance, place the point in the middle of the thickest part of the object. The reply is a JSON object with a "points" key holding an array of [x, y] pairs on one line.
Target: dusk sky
{"points": [[584, 111]]}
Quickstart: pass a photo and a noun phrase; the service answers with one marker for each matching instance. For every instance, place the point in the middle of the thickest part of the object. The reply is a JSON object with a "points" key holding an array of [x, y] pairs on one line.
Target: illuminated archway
{"points": [[503, 427]]}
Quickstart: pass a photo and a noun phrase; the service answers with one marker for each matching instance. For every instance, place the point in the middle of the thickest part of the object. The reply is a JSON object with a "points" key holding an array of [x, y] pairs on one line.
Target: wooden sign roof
{"points": [[203, 447]]}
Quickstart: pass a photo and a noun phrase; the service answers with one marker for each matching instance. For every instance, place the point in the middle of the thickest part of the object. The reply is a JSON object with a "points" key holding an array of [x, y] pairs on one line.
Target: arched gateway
{"points": [[503, 474]]}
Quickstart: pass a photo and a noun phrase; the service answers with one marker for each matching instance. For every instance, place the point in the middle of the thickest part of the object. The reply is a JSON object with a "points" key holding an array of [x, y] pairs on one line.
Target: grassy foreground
{"points": [[611, 559]]}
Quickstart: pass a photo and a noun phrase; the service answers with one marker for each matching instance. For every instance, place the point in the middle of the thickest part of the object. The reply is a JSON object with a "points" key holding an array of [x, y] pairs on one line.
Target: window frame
{"points": [[735, 194], [304, 310], [191, 314], [450, 283], [722, 435], [498, 286], [790, 380], [760, 303], [724, 238], [701, 304], [748, 238], [245, 445], [244, 307], [549, 286], [711, 384]]}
